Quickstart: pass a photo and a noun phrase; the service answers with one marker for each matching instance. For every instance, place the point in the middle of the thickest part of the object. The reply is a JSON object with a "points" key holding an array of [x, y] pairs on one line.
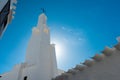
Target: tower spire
{"points": [[43, 10], [42, 20]]}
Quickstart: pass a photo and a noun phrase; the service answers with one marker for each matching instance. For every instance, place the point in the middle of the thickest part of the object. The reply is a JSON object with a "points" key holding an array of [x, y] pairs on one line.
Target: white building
{"points": [[103, 66], [40, 61]]}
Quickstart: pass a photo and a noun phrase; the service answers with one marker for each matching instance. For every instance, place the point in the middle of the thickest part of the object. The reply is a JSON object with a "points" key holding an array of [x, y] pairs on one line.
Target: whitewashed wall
{"points": [[106, 68]]}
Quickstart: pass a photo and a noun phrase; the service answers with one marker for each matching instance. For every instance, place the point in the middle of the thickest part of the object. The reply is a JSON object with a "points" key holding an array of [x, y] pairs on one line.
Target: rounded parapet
{"points": [[117, 46], [72, 71], [108, 51], [89, 63], [66, 75], [80, 67], [98, 57]]}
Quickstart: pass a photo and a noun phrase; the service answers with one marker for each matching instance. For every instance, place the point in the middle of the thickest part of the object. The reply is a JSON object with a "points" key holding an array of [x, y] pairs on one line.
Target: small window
{"points": [[25, 78]]}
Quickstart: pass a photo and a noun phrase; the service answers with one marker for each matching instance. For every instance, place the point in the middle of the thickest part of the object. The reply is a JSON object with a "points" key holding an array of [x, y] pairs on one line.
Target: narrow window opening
{"points": [[25, 78]]}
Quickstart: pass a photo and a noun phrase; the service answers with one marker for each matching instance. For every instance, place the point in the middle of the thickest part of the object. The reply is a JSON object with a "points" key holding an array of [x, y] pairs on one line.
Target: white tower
{"points": [[40, 52], [40, 61]]}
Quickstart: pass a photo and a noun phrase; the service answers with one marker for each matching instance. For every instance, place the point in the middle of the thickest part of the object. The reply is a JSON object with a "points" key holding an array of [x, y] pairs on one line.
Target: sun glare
{"points": [[59, 48]]}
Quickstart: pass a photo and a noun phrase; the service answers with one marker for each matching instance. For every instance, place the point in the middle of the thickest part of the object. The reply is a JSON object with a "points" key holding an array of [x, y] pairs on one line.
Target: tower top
{"points": [[42, 19]]}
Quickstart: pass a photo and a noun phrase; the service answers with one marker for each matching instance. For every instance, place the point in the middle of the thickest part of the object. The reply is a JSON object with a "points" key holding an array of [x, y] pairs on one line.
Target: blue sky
{"points": [[81, 28]]}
